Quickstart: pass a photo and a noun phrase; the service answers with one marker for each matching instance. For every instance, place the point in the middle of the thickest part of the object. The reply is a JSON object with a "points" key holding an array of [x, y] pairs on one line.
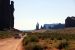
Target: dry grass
{"points": [[53, 39]]}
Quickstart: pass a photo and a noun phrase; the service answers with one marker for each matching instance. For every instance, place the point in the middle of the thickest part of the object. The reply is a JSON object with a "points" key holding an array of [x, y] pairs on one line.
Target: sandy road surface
{"points": [[10, 44]]}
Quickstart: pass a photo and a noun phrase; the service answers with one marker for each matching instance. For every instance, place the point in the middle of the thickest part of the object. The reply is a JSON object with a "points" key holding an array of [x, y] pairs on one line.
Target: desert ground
{"points": [[10, 44]]}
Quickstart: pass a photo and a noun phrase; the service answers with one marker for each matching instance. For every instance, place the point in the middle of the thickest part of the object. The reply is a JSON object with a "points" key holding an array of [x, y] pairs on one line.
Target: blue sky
{"points": [[29, 12]]}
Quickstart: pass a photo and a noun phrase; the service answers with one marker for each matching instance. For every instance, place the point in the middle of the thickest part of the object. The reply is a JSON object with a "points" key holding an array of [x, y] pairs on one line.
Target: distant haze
{"points": [[29, 12]]}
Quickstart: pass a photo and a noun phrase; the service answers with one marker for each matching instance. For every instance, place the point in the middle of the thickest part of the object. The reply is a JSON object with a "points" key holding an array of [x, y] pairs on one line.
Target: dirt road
{"points": [[11, 44]]}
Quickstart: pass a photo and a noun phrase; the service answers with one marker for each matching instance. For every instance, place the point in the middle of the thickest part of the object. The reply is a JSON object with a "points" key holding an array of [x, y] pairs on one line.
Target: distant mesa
{"points": [[70, 21], [53, 26], [6, 14]]}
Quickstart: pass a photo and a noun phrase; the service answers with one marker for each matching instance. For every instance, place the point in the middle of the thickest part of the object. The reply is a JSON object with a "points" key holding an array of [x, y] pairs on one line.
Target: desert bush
{"points": [[5, 34], [63, 45], [31, 38], [26, 40], [55, 35], [33, 46], [34, 39]]}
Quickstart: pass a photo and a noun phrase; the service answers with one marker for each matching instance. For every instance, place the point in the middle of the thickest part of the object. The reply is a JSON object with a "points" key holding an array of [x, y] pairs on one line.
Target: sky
{"points": [[29, 12]]}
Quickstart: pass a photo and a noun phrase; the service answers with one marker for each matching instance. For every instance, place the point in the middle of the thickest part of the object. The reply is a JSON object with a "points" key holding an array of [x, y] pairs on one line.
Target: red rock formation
{"points": [[70, 22], [6, 14]]}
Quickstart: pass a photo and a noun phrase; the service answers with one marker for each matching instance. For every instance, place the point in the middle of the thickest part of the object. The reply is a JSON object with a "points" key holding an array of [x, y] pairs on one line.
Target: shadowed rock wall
{"points": [[70, 22], [6, 15]]}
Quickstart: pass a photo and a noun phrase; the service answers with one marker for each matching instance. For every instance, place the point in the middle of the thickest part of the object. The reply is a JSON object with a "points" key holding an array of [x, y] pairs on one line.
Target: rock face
{"points": [[6, 14], [37, 26], [11, 14], [70, 22]]}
